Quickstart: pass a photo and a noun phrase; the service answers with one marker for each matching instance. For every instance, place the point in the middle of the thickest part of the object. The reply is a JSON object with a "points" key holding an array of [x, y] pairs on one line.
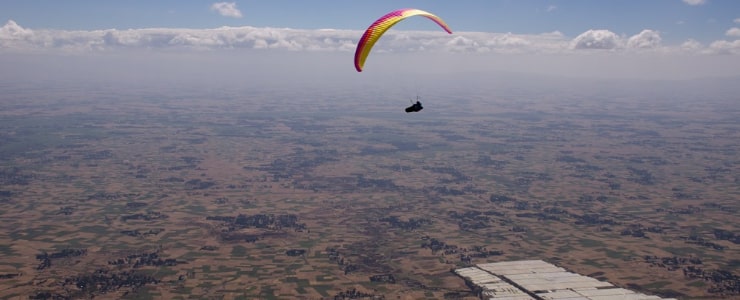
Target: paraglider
{"points": [[379, 27], [376, 30]]}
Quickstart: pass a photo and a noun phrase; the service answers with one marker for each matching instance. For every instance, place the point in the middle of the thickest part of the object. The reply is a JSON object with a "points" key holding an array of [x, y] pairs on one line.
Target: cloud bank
{"points": [[15, 38], [226, 9], [275, 52]]}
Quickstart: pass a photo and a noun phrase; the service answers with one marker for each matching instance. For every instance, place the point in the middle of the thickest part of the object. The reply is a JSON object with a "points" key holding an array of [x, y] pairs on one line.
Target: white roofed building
{"points": [[537, 279]]}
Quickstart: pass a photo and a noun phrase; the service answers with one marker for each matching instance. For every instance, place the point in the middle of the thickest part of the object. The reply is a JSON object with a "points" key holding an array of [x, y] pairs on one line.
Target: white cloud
{"points": [[725, 47], [736, 21], [691, 45], [596, 39], [12, 31], [734, 31], [647, 39], [226, 9], [509, 41], [462, 44], [551, 8], [695, 2]]}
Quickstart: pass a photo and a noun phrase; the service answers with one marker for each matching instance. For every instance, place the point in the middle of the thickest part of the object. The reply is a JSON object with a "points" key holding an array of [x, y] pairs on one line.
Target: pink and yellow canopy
{"points": [[376, 30]]}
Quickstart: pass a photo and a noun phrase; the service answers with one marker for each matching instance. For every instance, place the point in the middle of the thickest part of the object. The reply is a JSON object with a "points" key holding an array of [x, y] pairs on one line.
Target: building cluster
{"points": [[539, 280]]}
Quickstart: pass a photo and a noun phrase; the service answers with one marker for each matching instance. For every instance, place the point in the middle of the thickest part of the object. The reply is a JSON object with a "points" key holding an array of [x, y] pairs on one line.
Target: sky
{"points": [[657, 39]]}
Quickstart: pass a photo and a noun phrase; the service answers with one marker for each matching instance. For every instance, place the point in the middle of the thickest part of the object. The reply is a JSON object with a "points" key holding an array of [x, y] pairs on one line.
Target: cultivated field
{"points": [[262, 194]]}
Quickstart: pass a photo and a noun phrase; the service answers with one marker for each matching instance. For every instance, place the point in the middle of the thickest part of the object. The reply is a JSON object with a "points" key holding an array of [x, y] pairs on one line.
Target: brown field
{"points": [[168, 195]]}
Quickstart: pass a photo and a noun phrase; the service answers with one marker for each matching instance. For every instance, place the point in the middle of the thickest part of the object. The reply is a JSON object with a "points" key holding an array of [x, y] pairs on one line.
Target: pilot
{"points": [[414, 107]]}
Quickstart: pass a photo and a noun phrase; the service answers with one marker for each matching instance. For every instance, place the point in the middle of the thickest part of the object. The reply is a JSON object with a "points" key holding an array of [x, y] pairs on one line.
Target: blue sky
{"points": [[676, 20]]}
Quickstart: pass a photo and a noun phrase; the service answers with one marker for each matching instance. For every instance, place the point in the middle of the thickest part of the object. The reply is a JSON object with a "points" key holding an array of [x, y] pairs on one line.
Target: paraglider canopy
{"points": [[376, 30]]}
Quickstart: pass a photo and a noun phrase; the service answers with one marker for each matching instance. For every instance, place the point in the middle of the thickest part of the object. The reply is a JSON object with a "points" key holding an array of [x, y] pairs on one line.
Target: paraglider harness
{"points": [[415, 107]]}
